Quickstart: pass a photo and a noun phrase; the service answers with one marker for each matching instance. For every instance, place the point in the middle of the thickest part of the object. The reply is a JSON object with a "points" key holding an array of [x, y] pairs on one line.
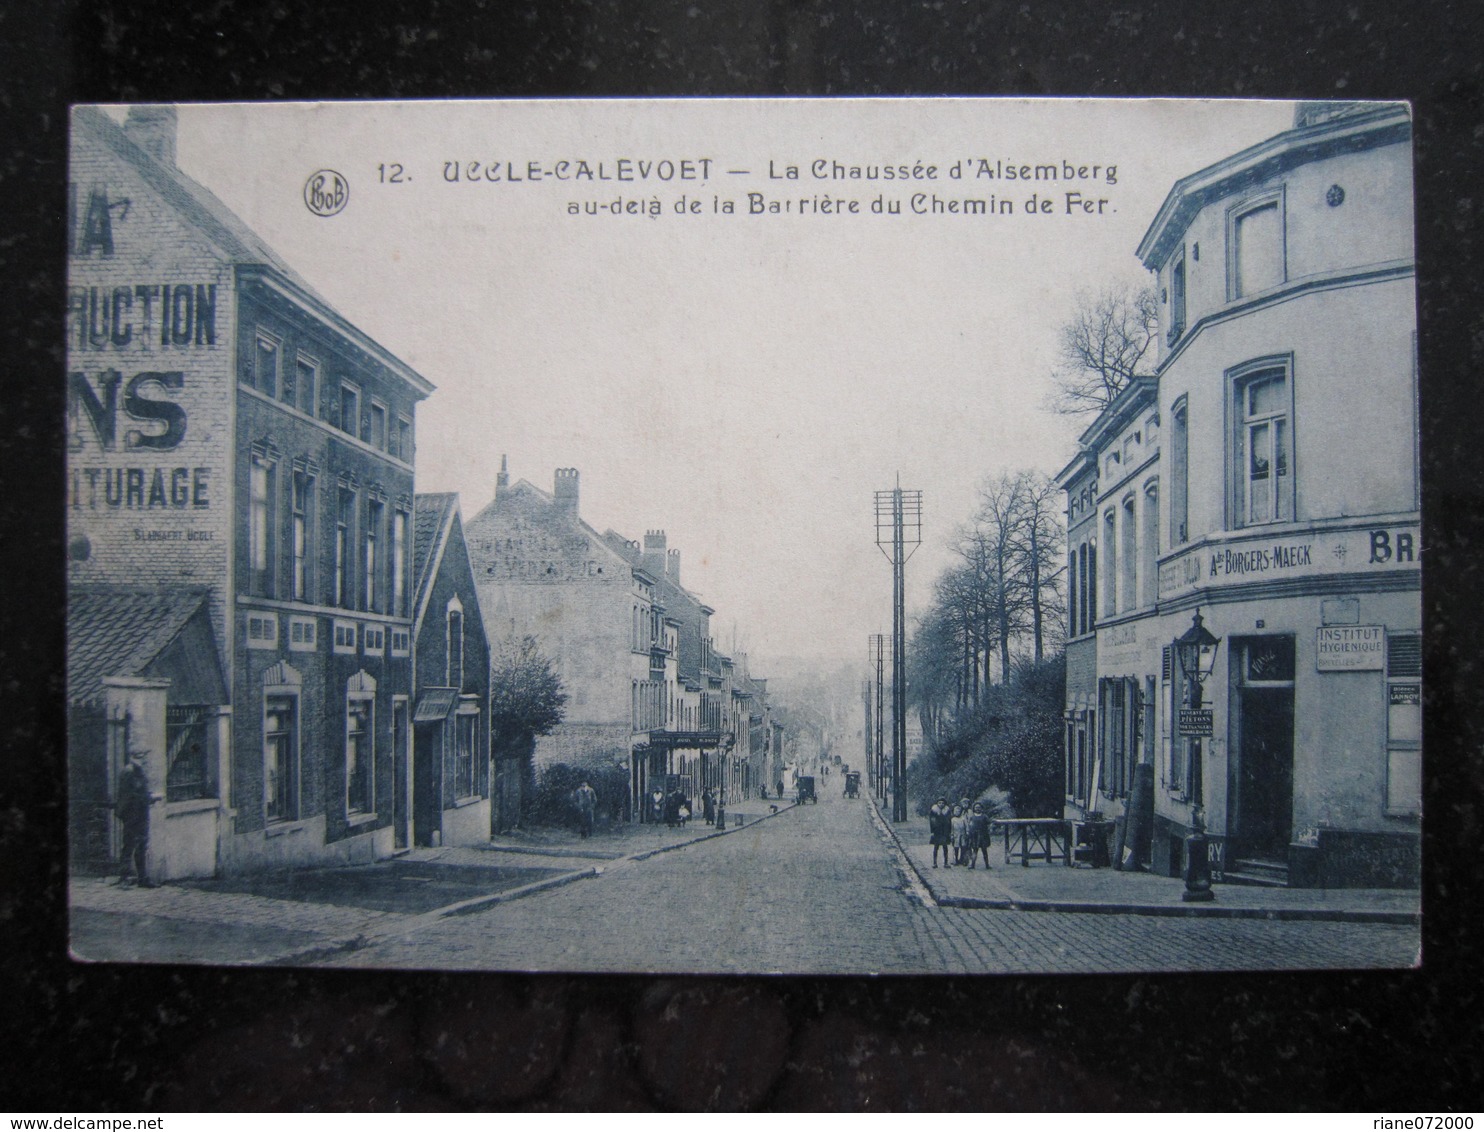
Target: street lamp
{"points": [[1196, 651], [1196, 648]]}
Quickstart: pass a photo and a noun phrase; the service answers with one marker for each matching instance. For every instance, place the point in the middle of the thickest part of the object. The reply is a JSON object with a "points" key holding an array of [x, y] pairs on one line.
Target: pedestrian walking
{"points": [[672, 808], [587, 807], [960, 831], [132, 807], [708, 806], [940, 831], [979, 834]]}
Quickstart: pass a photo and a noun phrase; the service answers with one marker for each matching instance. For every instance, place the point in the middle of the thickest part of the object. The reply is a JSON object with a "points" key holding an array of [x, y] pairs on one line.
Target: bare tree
{"points": [[1001, 503], [1037, 552], [1106, 342]]}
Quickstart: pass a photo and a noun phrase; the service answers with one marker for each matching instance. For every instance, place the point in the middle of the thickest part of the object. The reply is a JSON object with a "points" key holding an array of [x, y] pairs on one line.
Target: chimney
{"points": [[654, 553], [502, 481], [152, 129], [564, 491], [672, 566]]}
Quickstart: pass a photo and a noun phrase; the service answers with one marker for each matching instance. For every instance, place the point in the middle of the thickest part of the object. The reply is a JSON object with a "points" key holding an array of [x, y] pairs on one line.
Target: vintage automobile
{"points": [[805, 790], [853, 784]]}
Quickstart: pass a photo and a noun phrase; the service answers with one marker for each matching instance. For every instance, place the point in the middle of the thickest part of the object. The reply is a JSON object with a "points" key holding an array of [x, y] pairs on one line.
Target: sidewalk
{"points": [[1054, 887], [298, 917]]}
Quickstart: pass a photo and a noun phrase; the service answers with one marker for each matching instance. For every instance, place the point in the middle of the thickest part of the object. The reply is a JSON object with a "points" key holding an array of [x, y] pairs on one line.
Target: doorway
{"points": [[1263, 778], [427, 753]]}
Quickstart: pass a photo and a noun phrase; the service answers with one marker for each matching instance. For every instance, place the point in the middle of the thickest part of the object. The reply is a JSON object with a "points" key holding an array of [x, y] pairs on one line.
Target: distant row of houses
{"points": [[1244, 608], [649, 692], [261, 604]]}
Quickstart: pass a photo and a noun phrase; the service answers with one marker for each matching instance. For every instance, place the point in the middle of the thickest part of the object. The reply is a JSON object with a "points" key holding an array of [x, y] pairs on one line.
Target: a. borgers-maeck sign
{"points": [[1297, 554]]}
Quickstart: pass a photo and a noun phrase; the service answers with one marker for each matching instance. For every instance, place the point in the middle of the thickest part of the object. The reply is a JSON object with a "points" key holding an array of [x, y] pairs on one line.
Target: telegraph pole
{"points": [[899, 525], [876, 651]]}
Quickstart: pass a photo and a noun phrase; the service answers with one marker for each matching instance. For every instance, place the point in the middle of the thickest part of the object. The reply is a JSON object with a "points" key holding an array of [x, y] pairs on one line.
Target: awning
{"points": [[435, 705]]}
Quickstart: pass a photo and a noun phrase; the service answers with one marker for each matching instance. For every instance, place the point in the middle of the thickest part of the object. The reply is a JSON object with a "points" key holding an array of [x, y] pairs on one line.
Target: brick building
{"points": [[240, 468], [450, 723]]}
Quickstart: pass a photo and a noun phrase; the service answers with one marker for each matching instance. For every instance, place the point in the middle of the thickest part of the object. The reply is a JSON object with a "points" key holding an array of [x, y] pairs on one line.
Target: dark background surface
{"points": [[86, 1038]]}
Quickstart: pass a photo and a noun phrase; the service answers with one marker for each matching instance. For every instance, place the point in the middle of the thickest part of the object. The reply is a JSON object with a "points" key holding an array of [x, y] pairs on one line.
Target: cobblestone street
{"points": [[818, 889]]}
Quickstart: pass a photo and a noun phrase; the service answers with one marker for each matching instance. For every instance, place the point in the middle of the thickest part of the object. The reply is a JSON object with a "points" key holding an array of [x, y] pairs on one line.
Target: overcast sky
{"points": [[744, 382]]}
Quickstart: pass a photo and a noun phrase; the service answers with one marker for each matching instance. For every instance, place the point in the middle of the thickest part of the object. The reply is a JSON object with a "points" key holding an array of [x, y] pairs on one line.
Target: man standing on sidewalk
{"points": [[132, 808], [587, 806]]}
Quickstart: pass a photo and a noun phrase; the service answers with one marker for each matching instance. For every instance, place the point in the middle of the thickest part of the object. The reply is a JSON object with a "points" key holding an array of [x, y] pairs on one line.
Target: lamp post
{"points": [[1195, 649]]}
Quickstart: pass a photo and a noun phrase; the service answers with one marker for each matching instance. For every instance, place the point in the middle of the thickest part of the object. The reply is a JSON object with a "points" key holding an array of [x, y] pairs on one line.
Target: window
{"points": [[399, 564], [1072, 593], [344, 518], [306, 381], [378, 426], [1148, 566], [1263, 487], [1151, 432], [262, 631], [1179, 475], [1122, 722], [463, 765], [186, 742], [1177, 298], [404, 440], [303, 634], [1110, 466], [1403, 724], [371, 565], [344, 637], [374, 640], [455, 645], [1129, 558], [1110, 575], [1255, 238], [350, 409], [401, 642], [265, 365], [1091, 604], [359, 715], [281, 756], [260, 527], [303, 496]]}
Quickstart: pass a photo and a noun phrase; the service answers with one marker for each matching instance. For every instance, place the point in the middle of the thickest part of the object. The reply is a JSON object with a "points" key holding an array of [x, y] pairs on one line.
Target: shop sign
{"points": [[1405, 695], [1296, 555], [1196, 722], [1350, 648]]}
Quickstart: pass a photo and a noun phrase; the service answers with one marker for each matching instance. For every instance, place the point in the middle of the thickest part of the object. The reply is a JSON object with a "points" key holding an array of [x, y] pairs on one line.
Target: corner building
{"points": [[1285, 511], [240, 496]]}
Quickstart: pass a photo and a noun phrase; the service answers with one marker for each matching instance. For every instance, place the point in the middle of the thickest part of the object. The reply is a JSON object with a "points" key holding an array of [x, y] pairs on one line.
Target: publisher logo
{"points": [[326, 193]]}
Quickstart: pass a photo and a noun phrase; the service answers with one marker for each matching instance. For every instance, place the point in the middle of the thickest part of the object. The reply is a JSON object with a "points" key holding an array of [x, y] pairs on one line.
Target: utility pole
{"points": [[876, 653], [899, 526]]}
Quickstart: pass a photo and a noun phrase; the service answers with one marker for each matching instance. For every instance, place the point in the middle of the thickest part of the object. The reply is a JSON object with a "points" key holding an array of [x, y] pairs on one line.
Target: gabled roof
{"points": [[238, 243], [546, 501], [120, 631], [432, 520]]}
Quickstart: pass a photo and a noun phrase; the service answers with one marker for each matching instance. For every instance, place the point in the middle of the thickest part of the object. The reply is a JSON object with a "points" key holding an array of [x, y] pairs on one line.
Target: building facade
{"points": [[243, 454], [647, 691], [450, 771], [1283, 513]]}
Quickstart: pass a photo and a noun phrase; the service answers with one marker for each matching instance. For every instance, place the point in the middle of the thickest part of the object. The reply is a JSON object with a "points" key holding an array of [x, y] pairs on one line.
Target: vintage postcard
{"points": [[809, 536]]}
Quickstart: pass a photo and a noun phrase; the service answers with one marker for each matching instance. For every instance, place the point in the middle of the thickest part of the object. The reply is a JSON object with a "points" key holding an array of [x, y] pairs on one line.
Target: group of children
{"points": [[964, 828]]}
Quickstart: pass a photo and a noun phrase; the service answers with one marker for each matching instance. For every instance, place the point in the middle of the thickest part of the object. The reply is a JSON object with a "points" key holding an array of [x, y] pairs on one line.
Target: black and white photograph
{"points": [[919, 536]]}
